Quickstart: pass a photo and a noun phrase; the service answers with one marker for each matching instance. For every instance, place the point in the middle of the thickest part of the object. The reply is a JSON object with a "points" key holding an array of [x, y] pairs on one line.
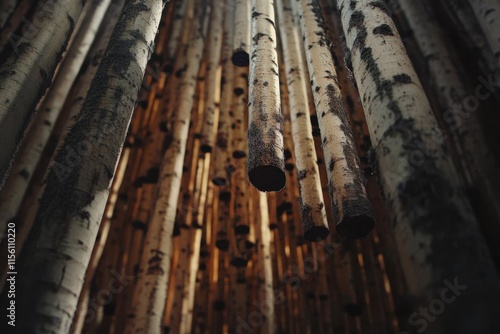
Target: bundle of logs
{"points": [[218, 166]]}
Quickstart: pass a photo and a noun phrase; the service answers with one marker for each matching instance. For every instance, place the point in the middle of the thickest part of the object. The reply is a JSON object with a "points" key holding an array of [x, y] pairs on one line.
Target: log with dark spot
{"points": [[266, 166]]}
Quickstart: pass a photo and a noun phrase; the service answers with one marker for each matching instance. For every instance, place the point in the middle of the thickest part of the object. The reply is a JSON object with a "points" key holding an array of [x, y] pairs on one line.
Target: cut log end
{"points": [[358, 226], [222, 244], [206, 148], [242, 229], [241, 58], [316, 233], [219, 181], [267, 178], [239, 262]]}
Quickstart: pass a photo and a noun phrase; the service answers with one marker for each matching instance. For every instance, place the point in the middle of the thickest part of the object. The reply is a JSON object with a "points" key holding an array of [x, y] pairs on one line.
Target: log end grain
{"points": [[357, 219], [316, 233], [239, 262], [267, 178], [241, 229], [206, 148], [222, 244], [241, 58], [220, 181]]}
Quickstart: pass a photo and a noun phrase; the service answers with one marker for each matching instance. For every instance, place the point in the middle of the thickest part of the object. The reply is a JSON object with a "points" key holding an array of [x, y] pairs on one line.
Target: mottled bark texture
{"points": [[28, 71], [57, 252], [266, 164], [437, 234], [351, 208]]}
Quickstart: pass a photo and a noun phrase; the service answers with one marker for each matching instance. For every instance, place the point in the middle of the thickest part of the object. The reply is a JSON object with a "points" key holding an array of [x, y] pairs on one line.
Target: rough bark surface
{"points": [[57, 252], [266, 165], [437, 234]]}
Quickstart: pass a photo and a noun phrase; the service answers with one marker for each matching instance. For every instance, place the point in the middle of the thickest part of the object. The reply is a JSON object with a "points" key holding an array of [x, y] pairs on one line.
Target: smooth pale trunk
{"points": [[57, 251], [152, 282], [28, 71], [437, 235], [352, 212], [266, 165], [312, 208], [242, 32], [222, 166], [39, 132], [212, 91]]}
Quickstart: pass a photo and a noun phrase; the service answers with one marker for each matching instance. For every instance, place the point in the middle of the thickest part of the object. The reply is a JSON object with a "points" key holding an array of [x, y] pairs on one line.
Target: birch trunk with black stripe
{"points": [[476, 158], [351, 208], [312, 208], [28, 71], [422, 188], [152, 282], [58, 248], [47, 114], [266, 166]]}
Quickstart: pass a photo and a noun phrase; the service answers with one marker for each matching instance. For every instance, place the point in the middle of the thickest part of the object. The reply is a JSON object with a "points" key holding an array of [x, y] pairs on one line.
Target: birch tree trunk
{"points": [[57, 252], [266, 165], [28, 71], [213, 51], [152, 282], [475, 157], [431, 218], [312, 208], [38, 135], [242, 32], [223, 145], [352, 211]]}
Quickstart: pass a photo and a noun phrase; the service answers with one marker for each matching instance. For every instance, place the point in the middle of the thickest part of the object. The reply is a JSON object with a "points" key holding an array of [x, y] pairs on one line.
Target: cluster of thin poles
{"points": [[194, 166]]}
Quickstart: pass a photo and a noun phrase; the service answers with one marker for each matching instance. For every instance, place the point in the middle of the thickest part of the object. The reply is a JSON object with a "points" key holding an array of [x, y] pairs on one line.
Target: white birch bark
{"points": [[36, 139], [312, 208], [242, 33], [431, 218], [222, 166], [28, 72], [152, 282], [266, 166], [213, 51], [57, 252], [352, 211]]}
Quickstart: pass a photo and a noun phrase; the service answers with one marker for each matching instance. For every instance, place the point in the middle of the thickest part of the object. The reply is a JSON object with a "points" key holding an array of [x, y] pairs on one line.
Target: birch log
{"points": [[38, 135], [152, 282], [266, 166], [476, 158], [312, 208], [222, 166], [352, 211], [419, 181], [242, 31], [213, 51], [58, 249], [28, 72]]}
